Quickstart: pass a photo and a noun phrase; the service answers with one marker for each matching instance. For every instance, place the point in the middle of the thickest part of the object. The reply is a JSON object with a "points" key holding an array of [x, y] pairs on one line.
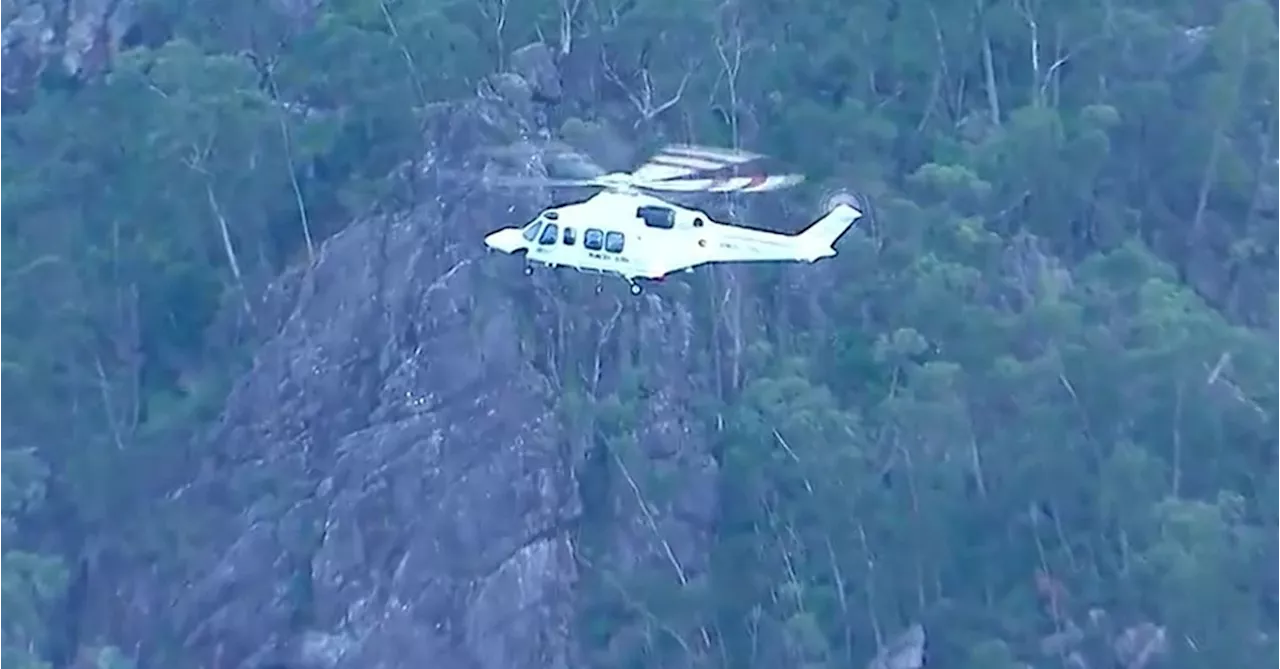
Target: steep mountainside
{"points": [[397, 480], [272, 406]]}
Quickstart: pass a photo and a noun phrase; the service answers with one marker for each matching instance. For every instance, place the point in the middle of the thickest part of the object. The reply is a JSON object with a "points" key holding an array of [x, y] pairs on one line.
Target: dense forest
{"points": [[1028, 412]]}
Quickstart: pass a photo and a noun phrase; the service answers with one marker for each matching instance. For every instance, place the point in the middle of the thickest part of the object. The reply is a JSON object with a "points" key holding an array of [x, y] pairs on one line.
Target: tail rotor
{"points": [[838, 196]]}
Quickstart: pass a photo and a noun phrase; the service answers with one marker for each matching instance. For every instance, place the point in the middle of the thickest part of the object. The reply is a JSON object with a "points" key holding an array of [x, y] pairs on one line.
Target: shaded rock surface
{"points": [[73, 36], [392, 484]]}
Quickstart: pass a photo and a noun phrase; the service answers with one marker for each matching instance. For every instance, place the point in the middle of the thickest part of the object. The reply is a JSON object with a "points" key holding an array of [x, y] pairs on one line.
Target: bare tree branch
{"points": [[639, 606], [871, 588], [608, 18], [643, 99], [288, 154], [568, 13], [988, 67], [1043, 77], [730, 49], [935, 88], [404, 51], [600, 342], [653, 527], [495, 11], [650, 520], [108, 403], [196, 163]]}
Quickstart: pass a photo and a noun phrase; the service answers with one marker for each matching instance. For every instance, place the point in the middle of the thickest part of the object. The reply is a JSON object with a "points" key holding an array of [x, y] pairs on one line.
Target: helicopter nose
{"points": [[506, 240]]}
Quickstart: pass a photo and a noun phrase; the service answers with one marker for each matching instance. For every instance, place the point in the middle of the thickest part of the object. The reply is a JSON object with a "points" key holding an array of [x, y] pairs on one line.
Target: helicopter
{"points": [[627, 230]]}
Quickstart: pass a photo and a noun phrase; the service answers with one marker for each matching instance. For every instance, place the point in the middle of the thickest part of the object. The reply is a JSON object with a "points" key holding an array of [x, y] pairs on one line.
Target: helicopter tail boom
{"points": [[738, 244], [822, 235]]}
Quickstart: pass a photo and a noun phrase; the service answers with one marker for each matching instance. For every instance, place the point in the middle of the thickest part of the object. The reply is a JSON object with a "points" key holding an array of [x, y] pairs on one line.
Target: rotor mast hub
{"points": [[618, 181]]}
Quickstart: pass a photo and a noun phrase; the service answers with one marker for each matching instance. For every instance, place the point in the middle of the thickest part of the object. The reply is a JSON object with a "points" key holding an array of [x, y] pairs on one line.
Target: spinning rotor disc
{"points": [[680, 168], [837, 197]]}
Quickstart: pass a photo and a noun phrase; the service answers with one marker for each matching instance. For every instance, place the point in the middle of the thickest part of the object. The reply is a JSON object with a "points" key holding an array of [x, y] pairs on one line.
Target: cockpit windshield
{"points": [[530, 231]]}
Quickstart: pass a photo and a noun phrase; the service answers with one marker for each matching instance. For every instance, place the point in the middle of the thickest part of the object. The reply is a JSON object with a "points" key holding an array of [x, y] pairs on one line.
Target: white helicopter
{"points": [[625, 231]]}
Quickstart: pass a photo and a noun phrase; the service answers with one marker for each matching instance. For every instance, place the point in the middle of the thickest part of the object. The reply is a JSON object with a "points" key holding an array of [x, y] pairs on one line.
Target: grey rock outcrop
{"points": [[75, 36], [536, 64], [905, 651], [393, 484]]}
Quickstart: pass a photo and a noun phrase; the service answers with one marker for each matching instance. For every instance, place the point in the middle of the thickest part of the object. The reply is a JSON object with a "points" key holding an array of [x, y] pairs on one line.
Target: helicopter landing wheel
{"points": [[599, 288], [528, 270], [636, 288]]}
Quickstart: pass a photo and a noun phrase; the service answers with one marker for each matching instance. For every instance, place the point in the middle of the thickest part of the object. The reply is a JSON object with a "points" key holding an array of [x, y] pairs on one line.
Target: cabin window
{"points": [[593, 239], [613, 242], [657, 217], [552, 215], [549, 234], [570, 237]]}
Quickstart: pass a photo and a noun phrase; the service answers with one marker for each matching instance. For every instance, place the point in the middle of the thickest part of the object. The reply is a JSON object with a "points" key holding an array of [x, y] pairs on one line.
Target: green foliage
{"points": [[33, 583]]}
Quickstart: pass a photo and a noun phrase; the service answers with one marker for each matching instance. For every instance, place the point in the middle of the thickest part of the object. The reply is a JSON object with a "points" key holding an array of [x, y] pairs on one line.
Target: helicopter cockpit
{"points": [[545, 223], [530, 232]]}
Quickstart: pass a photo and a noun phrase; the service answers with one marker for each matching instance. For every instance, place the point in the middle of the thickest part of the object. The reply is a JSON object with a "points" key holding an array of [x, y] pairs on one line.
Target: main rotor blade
{"points": [[752, 184], [574, 165], [685, 160]]}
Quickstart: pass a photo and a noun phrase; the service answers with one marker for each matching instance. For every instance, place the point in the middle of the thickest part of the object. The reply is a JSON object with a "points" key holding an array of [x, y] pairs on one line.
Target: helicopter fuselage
{"points": [[639, 236]]}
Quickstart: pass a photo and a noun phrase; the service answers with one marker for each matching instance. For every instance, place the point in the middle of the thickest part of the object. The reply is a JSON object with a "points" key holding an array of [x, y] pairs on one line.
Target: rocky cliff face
{"points": [[400, 479], [72, 37]]}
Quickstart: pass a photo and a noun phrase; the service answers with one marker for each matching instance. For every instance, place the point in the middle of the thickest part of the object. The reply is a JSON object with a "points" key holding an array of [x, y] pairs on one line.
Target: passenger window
{"points": [[569, 237], [613, 242], [593, 239], [549, 234]]}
